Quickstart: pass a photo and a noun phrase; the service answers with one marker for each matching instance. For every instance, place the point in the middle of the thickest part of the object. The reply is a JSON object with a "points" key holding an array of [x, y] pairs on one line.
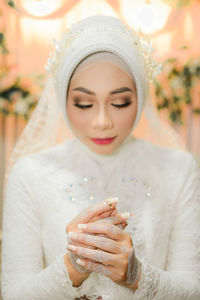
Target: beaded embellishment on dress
{"points": [[84, 297]]}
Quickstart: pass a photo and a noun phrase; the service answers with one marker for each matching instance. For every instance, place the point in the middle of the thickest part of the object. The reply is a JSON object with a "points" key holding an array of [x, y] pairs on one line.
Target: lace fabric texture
{"points": [[45, 128], [38, 207]]}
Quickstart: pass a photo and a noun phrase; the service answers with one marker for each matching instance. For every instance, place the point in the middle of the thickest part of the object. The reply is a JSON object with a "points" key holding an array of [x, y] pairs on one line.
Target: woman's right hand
{"points": [[93, 213]]}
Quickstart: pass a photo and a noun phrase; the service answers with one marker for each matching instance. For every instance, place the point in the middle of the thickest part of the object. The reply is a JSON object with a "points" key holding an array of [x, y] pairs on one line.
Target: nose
{"points": [[102, 120]]}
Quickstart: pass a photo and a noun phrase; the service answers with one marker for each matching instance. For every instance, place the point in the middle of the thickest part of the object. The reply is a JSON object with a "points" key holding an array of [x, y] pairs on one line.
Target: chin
{"points": [[103, 150]]}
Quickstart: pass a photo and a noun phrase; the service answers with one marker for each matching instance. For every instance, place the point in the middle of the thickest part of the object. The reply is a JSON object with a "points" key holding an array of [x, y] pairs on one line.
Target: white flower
{"points": [[176, 83], [194, 64], [21, 107], [29, 99]]}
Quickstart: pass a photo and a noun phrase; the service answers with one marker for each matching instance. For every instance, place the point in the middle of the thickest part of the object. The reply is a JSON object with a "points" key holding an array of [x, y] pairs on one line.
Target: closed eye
{"points": [[121, 105], [82, 106]]}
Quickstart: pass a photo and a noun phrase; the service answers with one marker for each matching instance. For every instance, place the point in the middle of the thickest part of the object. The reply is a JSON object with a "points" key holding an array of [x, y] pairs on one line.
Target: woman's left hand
{"points": [[112, 253]]}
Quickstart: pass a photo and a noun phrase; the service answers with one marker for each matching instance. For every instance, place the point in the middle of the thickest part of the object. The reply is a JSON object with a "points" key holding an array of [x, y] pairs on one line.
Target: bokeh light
{"points": [[41, 8], [146, 16]]}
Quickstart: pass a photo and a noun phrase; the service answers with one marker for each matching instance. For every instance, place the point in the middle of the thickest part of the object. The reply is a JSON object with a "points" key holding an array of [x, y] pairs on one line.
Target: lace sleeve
{"points": [[181, 278], [23, 274]]}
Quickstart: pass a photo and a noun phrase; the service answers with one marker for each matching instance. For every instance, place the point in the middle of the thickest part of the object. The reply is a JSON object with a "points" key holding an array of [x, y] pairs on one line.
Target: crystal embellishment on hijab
{"points": [[142, 44]]}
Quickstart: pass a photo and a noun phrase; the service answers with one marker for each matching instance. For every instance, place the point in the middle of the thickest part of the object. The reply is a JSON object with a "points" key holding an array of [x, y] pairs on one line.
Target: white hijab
{"points": [[100, 34]]}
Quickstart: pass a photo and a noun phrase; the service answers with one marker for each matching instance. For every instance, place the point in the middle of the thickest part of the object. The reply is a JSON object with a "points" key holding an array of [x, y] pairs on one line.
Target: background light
{"points": [[41, 8], [146, 16]]}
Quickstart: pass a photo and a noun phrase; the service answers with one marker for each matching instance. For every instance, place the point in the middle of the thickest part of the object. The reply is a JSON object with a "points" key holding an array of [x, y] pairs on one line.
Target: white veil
{"points": [[47, 127]]}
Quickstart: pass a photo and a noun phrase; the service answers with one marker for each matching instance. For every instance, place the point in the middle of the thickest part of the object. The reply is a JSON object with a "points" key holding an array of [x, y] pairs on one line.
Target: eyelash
{"points": [[115, 105], [83, 106], [122, 105]]}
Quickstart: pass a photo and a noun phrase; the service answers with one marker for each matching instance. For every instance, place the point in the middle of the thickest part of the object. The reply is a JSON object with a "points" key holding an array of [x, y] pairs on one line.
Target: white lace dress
{"points": [[46, 190]]}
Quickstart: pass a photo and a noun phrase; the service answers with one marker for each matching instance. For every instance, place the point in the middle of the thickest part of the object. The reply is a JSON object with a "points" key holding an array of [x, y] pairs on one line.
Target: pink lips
{"points": [[105, 141]]}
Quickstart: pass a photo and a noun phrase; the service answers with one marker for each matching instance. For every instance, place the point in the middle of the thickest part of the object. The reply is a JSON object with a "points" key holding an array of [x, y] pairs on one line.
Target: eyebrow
{"points": [[117, 91]]}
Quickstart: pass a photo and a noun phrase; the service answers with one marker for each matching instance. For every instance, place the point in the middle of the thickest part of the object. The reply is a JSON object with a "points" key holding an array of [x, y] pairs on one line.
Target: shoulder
{"points": [[174, 172], [41, 162], [163, 152], [168, 159]]}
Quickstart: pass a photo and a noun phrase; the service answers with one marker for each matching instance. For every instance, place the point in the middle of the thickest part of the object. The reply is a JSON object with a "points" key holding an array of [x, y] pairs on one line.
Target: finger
{"points": [[72, 242], [87, 214], [114, 212], [122, 225], [107, 229], [96, 267], [103, 243], [76, 243], [110, 201], [118, 219], [95, 255], [106, 214], [103, 215], [121, 218]]}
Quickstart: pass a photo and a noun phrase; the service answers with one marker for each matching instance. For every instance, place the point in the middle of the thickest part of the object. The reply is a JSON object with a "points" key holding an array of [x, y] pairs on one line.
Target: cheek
{"points": [[125, 120], [77, 118]]}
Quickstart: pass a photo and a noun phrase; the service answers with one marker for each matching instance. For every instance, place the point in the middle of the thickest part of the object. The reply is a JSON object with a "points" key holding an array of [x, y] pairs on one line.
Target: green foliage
{"points": [[19, 94], [4, 50], [175, 87], [178, 3], [11, 3]]}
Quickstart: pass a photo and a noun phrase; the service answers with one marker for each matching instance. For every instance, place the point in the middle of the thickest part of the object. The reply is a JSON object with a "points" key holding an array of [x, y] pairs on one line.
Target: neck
{"points": [[105, 158]]}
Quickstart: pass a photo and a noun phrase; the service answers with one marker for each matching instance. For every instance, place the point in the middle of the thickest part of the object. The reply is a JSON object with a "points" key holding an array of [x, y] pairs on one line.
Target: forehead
{"points": [[101, 72]]}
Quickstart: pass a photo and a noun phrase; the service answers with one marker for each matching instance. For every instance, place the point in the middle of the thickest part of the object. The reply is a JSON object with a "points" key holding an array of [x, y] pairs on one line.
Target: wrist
{"points": [[76, 277], [134, 286], [133, 272]]}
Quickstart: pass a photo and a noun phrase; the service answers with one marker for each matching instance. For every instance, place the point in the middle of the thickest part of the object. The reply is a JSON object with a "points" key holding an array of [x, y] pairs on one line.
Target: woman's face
{"points": [[102, 106]]}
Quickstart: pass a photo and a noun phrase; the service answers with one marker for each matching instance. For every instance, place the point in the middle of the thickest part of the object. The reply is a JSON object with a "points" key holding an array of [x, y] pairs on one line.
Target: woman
{"points": [[67, 196]]}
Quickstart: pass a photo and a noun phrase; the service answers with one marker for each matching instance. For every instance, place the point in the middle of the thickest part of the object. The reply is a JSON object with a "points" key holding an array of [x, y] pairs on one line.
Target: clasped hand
{"points": [[96, 238]]}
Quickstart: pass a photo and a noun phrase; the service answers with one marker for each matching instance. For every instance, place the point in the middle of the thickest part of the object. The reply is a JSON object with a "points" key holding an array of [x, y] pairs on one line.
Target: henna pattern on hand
{"points": [[134, 269]]}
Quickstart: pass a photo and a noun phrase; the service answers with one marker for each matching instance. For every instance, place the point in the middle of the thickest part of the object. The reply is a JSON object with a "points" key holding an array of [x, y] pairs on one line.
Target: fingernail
{"points": [[72, 235], [112, 200], [82, 226], [125, 215], [80, 262], [71, 247]]}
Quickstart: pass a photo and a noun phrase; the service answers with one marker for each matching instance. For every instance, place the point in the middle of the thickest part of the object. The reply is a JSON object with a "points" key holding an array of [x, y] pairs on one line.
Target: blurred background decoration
{"points": [[18, 94], [178, 92], [27, 29]]}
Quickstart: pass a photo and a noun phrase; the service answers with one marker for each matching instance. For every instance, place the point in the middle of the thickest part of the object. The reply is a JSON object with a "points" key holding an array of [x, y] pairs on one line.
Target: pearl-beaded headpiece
{"points": [[143, 45]]}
